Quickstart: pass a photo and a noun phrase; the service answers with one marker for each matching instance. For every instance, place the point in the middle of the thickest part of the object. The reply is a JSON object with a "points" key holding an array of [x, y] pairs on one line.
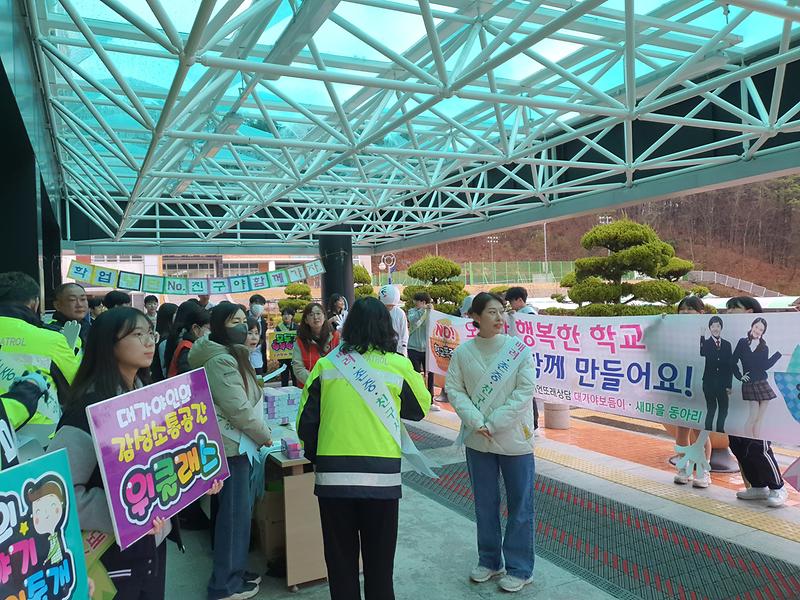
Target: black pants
{"points": [[716, 400], [288, 373], [348, 524], [535, 415], [144, 580], [417, 359], [758, 462]]}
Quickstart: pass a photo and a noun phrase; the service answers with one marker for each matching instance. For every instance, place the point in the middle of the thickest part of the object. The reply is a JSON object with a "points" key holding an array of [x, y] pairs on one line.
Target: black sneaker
{"points": [[251, 577], [248, 590]]}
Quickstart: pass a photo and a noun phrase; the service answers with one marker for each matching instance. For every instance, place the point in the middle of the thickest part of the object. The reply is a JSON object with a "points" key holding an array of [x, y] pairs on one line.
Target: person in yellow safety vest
{"points": [[355, 454], [71, 304], [34, 347], [20, 400]]}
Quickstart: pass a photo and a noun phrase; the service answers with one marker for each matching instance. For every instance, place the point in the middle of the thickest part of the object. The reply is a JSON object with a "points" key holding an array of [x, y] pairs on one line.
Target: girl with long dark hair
{"points": [[760, 470], [184, 313], [117, 357], [337, 311], [196, 324], [239, 403], [164, 318], [315, 338], [356, 456]]}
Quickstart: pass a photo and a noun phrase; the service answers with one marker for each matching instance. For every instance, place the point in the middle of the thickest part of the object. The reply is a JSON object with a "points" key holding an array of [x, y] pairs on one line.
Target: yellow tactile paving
{"points": [[760, 521]]}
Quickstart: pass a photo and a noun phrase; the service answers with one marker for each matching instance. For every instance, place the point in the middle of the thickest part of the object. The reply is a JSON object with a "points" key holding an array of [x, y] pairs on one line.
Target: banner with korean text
{"points": [[737, 373], [100, 276], [41, 549], [159, 449]]}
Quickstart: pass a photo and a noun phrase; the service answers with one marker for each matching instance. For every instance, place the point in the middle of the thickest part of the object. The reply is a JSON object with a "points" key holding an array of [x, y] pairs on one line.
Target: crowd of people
{"points": [[101, 349]]}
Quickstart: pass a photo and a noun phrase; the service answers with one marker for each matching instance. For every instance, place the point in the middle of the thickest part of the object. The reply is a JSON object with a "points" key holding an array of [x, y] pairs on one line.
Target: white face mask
{"points": [[257, 309]]}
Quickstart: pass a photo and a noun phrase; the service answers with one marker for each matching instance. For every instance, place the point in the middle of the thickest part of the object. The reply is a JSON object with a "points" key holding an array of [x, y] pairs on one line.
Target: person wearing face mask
{"points": [[257, 358], [238, 400], [760, 470], [315, 338], [196, 325]]}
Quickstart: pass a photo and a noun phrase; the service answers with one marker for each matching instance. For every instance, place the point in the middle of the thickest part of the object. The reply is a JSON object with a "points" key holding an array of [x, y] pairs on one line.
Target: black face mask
{"points": [[238, 333]]}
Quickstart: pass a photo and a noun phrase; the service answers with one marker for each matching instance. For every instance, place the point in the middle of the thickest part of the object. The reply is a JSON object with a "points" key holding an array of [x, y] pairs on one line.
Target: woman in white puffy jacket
{"points": [[490, 384]]}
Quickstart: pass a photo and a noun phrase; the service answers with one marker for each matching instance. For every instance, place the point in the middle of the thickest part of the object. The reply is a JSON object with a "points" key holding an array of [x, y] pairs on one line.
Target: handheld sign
{"points": [[41, 549], [281, 344], [159, 449]]}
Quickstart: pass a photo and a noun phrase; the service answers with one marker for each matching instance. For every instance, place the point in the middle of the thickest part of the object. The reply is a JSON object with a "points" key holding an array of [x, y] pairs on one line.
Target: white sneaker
{"points": [[435, 408], [248, 590], [702, 482], [514, 584], [681, 477], [753, 493], [481, 574], [777, 497]]}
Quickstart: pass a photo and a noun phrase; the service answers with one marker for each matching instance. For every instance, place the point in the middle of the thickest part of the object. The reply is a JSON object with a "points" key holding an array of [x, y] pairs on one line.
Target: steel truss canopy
{"points": [[238, 123]]}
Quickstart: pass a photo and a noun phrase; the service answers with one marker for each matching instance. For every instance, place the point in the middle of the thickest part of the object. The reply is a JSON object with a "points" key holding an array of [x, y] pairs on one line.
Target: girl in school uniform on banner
{"points": [[490, 384]]}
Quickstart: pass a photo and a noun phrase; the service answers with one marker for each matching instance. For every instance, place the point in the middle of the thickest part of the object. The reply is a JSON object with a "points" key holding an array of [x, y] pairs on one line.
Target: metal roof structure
{"points": [[183, 125]]}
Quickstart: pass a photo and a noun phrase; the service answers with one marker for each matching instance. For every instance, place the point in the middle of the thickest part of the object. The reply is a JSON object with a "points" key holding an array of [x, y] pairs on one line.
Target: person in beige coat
{"points": [[490, 383], [239, 403]]}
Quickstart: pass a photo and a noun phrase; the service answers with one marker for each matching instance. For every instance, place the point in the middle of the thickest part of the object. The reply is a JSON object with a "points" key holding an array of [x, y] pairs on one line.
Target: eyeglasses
{"points": [[144, 338], [315, 315]]}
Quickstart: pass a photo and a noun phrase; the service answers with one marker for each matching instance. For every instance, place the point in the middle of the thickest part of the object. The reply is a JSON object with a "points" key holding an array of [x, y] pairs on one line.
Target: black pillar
{"points": [[336, 253], [19, 190]]}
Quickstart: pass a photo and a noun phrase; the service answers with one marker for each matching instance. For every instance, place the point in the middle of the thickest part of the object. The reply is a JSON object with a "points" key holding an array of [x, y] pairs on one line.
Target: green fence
{"points": [[486, 273]]}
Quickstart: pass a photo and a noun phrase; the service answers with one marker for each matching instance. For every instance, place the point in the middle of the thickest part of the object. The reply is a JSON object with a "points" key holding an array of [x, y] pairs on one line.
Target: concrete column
{"points": [[556, 416]]}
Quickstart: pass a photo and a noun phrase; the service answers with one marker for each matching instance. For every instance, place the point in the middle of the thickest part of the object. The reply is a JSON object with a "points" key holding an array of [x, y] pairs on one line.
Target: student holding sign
{"points": [[490, 384], [349, 422], [117, 357], [238, 400]]}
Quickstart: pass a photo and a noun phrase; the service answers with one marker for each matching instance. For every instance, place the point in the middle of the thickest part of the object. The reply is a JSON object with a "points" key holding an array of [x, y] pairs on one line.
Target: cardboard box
{"points": [[270, 522]]}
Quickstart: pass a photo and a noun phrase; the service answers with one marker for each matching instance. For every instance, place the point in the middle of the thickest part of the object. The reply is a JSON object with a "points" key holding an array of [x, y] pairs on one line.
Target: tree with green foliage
{"points": [[499, 289], [439, 277], [363, 282], [298, 295], [597, 285]]}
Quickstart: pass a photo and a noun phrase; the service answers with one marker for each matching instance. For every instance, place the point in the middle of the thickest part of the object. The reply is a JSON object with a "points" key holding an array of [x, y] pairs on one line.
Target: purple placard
{"points": [[159, 449]]}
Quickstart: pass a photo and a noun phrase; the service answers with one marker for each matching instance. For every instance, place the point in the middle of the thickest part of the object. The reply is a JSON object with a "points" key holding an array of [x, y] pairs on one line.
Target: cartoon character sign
{"points": [[41, 550]]}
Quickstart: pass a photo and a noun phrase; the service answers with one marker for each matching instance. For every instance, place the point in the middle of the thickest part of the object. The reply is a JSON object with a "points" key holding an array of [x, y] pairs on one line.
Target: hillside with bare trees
{"points": [[752, 232]]}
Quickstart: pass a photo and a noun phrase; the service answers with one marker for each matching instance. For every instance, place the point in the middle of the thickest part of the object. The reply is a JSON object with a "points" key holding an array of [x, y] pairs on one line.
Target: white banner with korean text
{"points": [[737, 374]]}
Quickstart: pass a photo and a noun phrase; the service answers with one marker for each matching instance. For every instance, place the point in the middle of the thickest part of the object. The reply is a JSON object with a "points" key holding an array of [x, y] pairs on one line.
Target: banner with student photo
{"points": [[737, 373], [41, 549], [159, 449]]}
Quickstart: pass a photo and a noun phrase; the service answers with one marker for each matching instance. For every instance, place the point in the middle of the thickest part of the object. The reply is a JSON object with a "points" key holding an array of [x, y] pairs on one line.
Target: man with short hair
{"points": [[23, 333], [256, 311], [71, 304], [151, 308], [205, 301], [96, 308], [116, 298], [418, 336], [517, 298]]}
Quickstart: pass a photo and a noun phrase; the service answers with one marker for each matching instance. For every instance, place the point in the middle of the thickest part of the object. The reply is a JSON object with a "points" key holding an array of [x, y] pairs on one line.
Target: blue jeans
{"points": [[231, 531], [517, 550]]}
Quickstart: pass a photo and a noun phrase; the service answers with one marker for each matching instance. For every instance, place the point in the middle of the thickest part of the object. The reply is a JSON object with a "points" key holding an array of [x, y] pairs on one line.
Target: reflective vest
{"points": [[353, 453], [173, 364], [17, 336]]}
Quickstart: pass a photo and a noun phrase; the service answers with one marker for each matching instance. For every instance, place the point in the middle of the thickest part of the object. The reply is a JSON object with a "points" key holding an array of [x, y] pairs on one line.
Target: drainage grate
{"points": [[425, 440], [626, 551]]}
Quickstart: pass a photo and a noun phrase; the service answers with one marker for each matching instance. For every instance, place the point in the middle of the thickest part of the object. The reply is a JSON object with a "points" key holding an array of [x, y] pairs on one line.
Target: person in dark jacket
{"points": [[71, 304], [196, 325], [753, 354], [117, 357], [178, 329], [164, 319], [760, 470], [717, 374]]}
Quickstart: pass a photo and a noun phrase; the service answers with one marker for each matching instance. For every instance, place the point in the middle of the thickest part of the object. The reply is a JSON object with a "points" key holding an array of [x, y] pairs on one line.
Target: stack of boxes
{"points": [[291, 448], [281, 405]]}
